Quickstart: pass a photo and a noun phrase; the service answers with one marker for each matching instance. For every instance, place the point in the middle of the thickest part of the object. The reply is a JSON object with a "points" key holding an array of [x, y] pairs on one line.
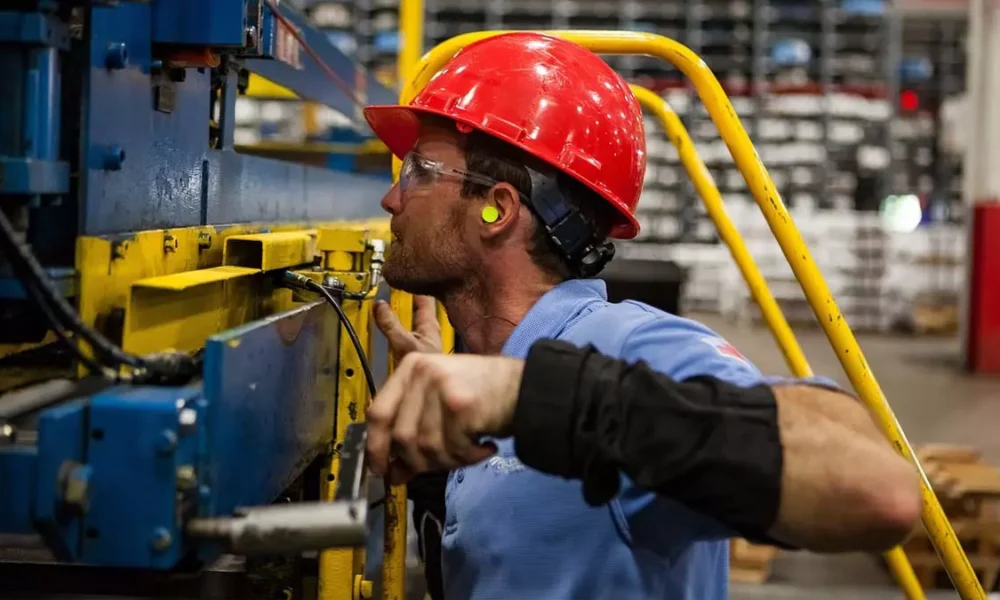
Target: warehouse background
{"points": [[856, 109], [853, 107]]}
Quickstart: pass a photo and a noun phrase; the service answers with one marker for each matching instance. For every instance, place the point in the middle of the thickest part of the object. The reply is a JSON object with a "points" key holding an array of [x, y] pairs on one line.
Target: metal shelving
{"points": [[817, 84], [931, 73]]}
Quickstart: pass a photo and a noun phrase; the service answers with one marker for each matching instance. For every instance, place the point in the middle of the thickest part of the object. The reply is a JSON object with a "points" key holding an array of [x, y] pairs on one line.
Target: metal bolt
{"points": [[161, 539], [251, 40], [76, 486], [187, 419], [333, 282], [117, 56], [204, 240], [114, 156], [362, 588], [167, 442], [186, 478]]}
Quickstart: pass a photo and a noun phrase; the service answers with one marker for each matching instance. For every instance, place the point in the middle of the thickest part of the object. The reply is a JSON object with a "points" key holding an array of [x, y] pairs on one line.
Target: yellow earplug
{"points": [[490, 214]]}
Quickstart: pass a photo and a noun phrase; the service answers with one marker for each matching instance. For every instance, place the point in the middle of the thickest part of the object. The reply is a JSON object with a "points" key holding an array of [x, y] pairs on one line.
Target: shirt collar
{"points": [[549, 317]]}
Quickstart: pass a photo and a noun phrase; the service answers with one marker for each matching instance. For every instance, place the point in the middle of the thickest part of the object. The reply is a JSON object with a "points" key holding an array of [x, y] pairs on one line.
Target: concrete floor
{"points": [[933, 401]]}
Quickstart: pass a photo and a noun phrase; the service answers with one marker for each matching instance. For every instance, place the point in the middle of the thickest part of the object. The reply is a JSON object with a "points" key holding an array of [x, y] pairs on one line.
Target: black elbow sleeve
{"points": [[708, 444]]}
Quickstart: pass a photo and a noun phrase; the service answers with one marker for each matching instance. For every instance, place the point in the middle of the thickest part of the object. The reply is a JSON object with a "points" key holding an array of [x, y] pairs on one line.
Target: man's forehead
{"points": [[436, 139]]}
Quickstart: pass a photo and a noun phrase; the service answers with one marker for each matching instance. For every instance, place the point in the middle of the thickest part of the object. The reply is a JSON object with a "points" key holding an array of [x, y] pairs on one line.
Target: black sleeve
{"points": [[708, 444]]}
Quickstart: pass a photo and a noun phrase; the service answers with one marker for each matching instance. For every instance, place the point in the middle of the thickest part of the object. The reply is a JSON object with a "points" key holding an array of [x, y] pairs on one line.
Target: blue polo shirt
{"points": [[512, 533]]}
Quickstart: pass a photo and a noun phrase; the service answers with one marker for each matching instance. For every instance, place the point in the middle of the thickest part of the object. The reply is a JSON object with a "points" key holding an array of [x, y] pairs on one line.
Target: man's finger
{"points": [[388, 323], [463, 445], [406, 429], [399, 473], [425, 316], [381, 417], [432, 440], [479, 453]]}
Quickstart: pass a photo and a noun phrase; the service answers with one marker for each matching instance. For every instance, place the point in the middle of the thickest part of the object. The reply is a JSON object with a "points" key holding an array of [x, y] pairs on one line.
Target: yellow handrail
{"points": [[394, 543], [709, 193], [900, 566], [796, 252]]}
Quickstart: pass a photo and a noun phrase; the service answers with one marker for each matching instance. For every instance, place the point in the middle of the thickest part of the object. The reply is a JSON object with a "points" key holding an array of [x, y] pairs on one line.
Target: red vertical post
{"points": [[984, 298]]}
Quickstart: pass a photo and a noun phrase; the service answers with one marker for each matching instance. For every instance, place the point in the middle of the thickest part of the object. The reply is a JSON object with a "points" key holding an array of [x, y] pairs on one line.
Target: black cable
{"points": [[37, 282], [312, 285], [351, 333], [64, 335]]}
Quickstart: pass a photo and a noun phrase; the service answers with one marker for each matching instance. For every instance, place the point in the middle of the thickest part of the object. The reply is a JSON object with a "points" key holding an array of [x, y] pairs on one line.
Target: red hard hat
{"points": [[551, 98]]}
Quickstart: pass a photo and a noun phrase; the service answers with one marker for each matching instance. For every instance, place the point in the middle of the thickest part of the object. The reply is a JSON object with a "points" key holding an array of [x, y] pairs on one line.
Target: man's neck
{"points": [[485, 315]]}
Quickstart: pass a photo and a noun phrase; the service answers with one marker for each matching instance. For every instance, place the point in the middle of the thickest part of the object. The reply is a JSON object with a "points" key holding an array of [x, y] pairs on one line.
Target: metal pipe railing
{"points": [[678, 135]]}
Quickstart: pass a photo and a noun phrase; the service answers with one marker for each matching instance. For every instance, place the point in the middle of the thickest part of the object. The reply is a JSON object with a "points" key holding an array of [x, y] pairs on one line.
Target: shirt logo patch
{"points": [[505, 465], [724, 348]]}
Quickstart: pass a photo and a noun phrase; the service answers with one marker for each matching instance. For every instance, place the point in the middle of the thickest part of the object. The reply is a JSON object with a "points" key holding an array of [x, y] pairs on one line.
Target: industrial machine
{"points": [[183, 327]]}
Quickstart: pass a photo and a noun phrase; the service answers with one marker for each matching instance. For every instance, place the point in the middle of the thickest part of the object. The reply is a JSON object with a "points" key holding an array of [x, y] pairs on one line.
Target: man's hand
{"points": [[426, 334], [434, 408]]}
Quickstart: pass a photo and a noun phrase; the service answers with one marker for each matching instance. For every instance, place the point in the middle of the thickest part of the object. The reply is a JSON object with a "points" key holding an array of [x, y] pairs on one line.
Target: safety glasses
{"points": [[419, 171]]}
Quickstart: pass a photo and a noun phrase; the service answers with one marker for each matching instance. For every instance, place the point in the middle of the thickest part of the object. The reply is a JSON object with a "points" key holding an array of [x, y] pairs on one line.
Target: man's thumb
{"points": [[388, 323]]}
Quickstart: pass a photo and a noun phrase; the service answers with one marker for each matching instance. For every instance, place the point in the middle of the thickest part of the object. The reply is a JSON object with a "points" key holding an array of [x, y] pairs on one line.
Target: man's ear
{"points": [[500, 212]]}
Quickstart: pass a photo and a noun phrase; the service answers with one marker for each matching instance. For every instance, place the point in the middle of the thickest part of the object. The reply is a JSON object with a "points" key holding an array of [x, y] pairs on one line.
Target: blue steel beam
{"points": [[212, 24], [30, 46], [146, 168], [287, 64]]}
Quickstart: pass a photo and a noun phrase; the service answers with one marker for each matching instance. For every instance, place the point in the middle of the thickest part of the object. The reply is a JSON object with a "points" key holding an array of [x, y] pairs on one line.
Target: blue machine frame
{"points": [[103, 136]]}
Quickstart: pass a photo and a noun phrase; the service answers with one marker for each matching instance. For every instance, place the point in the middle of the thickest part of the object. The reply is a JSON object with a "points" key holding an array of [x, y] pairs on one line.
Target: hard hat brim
{"points": [[398, 127]]}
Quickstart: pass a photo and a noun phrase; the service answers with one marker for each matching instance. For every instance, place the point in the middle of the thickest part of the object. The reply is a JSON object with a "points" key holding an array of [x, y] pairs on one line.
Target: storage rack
{"points": [[808, 80], [932, 72]]}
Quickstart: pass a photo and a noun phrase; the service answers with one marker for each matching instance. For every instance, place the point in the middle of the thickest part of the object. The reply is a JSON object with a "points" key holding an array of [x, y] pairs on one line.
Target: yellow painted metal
{"points": [[270, 251], [447, 330], [714, 205], [366, 147], [265, 89], [341, 570], [900, 566], [793, 246], [107, 267], [343, 249], [394, 548], [411, 34], [181, 310], [310, 120], [334, 239]]}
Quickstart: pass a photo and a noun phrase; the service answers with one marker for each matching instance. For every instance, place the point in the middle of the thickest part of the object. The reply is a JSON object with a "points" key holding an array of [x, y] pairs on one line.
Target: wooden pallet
{"points": [[750, 563], [969, 491]]}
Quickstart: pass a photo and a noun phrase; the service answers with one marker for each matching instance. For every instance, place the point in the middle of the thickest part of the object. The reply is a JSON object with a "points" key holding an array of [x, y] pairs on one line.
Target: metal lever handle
{"points": [[303, 526]]}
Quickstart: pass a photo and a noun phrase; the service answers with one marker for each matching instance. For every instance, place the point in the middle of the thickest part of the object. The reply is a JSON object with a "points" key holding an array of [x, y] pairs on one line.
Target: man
{"points": [[521, 158]]}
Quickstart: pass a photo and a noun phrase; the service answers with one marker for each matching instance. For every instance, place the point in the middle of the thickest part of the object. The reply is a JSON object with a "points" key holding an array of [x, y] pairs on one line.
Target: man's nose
{"points": [[391, 202]]}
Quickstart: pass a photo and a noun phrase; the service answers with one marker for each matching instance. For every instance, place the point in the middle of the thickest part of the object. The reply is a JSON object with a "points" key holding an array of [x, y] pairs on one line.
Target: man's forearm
{"points": [[796, 464], [844, 488]]}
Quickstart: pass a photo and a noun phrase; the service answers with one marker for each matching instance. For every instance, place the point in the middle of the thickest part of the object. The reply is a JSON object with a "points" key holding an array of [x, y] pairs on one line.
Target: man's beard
{"points": [[443, 266], [429, 277]]}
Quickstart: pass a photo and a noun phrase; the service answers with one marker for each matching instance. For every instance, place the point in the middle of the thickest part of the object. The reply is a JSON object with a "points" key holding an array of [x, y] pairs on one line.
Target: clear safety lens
{"points": [[420, 171]]}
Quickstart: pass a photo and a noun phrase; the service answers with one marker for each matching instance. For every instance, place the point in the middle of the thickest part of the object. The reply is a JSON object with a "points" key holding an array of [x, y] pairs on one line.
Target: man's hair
{"points": [[504, 163]]}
